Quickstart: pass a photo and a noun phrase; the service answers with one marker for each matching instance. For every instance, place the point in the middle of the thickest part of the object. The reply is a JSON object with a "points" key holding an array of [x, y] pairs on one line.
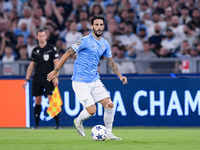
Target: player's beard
{"points": [[96, 32]]}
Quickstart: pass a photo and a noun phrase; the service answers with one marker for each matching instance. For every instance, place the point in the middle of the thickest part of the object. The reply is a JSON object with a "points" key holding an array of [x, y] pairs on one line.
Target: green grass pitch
{"points": [[134, 138]]}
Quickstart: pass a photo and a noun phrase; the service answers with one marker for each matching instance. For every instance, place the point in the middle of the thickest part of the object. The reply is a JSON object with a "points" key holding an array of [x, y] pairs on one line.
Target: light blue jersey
{"points": [[89, 51]]}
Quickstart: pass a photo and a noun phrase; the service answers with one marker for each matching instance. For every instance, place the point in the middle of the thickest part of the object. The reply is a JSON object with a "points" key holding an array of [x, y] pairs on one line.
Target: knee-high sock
{"points": [[83, 116], [57, 120], [108, 119], [37, 111]]}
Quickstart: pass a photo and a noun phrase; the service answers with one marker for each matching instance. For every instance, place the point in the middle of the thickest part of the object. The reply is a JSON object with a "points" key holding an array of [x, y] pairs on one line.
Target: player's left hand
{"points": [[124, 80]]}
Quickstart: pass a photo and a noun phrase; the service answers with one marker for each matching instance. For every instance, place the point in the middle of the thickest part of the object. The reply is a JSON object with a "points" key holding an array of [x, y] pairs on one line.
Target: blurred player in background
{"points": [[85, 80], [43, 58]]}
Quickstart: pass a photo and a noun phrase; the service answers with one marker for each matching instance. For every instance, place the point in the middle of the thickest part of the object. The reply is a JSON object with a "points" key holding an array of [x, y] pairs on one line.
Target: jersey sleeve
{"points": [[107, 52], [33, 55], [78, 45], [55, 53]]}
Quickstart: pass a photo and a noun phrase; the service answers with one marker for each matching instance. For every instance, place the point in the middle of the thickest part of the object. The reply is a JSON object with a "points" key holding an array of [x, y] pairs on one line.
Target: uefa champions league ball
{"points": [[99, 133]]}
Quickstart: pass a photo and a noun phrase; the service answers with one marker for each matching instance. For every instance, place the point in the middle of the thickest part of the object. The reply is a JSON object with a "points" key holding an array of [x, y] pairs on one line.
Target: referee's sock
{"points": [[57, 120], [37, 111]]}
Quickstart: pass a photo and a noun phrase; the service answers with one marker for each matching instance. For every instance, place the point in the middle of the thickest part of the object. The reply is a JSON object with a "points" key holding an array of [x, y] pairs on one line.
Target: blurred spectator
{"points": [[131, 19], [124, 16], [175, 8], [114, 50], [142, 34], [20, 43], [185, 17], [122, 28], [27, 17], [193, 52], [23, 54], [125, 67], [12, 20], [196, 18], [129, 40], [40, 15], [96, 9], [150, 24], [68, 67], [36, 25], [110, 10], [60, 45], [30, 45], [73, 35], [8, 59], [84, 26], [112, 33], [176, 28], [191, 6], [190, 35], [79, 6], [103, 3], [57, 13], [83, 16], [159, 7], [67, 6], [64, 32], [155, 40], [184, 51], [2, 44], [168, 16], [12, 5], [170, 42], [144, 9], [23, 30], [52, 33], [198, 48], [163, 53], [144, 66]]}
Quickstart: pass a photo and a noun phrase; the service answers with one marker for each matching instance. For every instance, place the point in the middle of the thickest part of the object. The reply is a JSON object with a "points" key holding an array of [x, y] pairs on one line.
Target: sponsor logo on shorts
{"points": [[85, 101]]}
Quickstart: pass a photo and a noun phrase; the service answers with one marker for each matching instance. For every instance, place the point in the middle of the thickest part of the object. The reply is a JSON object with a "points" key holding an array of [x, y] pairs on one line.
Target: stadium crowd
{"points": [[135, 29]]}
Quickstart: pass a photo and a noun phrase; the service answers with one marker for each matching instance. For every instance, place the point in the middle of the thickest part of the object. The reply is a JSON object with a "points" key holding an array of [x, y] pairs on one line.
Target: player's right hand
{"points": [[51, 75]]}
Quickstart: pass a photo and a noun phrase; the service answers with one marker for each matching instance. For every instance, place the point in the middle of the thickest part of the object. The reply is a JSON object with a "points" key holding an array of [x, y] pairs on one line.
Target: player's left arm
{"points": [[114, 68]]}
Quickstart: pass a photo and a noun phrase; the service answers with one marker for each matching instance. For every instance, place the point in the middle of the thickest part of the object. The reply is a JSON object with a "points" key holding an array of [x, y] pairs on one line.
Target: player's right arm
{"points": [[60, 63], [29, 73]]}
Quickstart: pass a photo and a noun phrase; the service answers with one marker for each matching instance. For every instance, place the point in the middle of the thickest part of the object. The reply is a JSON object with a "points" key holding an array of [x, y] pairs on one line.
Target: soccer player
{"points": [[85, 80], [43, 58]]}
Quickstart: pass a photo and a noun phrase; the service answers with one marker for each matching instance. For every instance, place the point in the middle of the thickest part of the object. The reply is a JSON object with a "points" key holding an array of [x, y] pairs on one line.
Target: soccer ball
{"points": [[99, 133]]}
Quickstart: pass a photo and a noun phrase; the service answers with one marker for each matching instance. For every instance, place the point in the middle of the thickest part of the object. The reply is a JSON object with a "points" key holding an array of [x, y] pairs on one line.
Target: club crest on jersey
{"points": [[103, 46], [46, 57]]}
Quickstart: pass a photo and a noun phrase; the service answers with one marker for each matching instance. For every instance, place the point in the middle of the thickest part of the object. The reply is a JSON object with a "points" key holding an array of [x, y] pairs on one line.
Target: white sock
{"points": [[83, 116], [108, 119]]}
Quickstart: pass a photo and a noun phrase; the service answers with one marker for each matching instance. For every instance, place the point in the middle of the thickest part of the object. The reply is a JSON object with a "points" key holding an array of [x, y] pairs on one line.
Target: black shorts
{"points": [[41, 86]]}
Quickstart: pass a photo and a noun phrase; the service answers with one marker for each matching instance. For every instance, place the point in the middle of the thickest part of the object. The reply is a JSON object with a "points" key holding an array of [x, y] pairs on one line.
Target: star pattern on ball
{"points": [[99, 136], [92, 133], [98, 128]]}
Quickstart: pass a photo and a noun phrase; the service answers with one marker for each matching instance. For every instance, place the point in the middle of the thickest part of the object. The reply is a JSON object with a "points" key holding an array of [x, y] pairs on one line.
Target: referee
{"points": [[43, 60]]}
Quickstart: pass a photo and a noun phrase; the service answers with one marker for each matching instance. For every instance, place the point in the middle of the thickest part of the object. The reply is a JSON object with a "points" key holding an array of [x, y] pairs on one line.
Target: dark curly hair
{"points": [[97, 17]]}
